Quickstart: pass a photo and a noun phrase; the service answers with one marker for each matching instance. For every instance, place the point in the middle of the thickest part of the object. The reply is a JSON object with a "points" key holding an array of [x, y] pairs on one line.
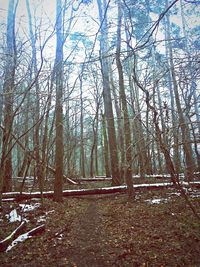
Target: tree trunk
{"points": [[142, 142], [127, 131], [120, 134], [175, 130], [58, 184], [36, 136], [8, 91], [192, 85], [105, 147], [182, 121], [107, 97], [1, 105], [82, 162]]}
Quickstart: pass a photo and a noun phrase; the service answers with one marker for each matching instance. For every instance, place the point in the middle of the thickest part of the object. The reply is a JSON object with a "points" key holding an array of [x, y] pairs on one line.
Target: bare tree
{"points": [[127, 130], [182, 119], [8, 92], [107, 95], [58, 185]]}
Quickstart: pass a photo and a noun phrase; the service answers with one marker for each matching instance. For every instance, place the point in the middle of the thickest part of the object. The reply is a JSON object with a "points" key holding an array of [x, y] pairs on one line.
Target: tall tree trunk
{"points": [[92, 150], [182, 121], [127, 131], [1, 106], [82, 163], [8, 91], [120, 134], [107, 97], [142, 142], [192, 85], [155, 145], [105, 147], [94, 145], [37, 145], [58, 184], [175, 130]]}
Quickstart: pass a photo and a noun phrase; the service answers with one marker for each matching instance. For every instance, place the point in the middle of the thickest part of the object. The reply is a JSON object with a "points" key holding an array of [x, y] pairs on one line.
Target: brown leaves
{"points": [[111, 232]]}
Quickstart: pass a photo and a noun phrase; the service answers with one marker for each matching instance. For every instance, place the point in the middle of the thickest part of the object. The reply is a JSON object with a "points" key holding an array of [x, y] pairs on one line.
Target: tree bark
{"points": [[182, 121], [82, 159], [107, 96], [127, 131], [58, 184], [8, 91], [36, 135], [105, 147]]}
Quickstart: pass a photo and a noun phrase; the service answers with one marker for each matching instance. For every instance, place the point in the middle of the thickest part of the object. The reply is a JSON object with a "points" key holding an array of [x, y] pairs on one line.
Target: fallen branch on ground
{"points": [[8, 240], [15, 236]]}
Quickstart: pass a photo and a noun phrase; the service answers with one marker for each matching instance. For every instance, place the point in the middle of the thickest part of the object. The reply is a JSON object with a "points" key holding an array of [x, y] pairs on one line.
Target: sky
{"points": [[86, 21]]}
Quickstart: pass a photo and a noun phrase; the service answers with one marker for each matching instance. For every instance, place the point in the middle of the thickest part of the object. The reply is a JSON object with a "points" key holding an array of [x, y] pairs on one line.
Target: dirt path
{"points": [[109, 231], [87, 232]]}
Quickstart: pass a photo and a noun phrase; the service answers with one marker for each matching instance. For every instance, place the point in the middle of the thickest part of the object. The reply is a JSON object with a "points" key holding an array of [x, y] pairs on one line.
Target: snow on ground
{"points": [[157, 200], [29, 207], [195, 195], [13, 216], [42, 218]]}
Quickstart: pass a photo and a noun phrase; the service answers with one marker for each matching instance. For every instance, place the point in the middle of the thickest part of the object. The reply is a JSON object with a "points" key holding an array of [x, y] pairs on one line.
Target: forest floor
{"points": [[155, 229]]}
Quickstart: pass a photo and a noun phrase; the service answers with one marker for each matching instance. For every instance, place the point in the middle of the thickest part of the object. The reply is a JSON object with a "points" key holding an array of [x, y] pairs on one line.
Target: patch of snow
{"points": [[147, 185], [19, 239], [42, 218], [8, 200], [195, 195], [174, 194], [13, 216], [11, 193], [156, 200], [29, 207], [50, 211], [59, 236], [137, 197]]}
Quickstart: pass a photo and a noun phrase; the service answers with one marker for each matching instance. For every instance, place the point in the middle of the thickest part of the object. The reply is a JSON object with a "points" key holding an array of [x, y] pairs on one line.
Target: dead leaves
{"points": [[110, 232]]}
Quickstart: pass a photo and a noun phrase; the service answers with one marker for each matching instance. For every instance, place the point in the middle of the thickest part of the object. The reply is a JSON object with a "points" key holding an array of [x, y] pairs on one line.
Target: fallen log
{"points": [[94, 191], [146, 176], [95, 179], [35, 231], [8, 240]]}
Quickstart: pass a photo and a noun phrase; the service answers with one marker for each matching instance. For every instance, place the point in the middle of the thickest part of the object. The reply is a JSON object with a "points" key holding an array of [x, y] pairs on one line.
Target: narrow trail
{"points": [[87, 244]]}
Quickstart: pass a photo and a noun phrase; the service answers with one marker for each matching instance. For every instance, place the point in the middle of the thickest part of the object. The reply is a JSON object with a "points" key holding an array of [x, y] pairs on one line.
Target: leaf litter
{"points": [[110, 231]]}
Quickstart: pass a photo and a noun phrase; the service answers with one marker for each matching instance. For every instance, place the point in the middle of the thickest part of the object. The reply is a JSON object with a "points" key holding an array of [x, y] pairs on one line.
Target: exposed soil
{"points": [[100, 231]]}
